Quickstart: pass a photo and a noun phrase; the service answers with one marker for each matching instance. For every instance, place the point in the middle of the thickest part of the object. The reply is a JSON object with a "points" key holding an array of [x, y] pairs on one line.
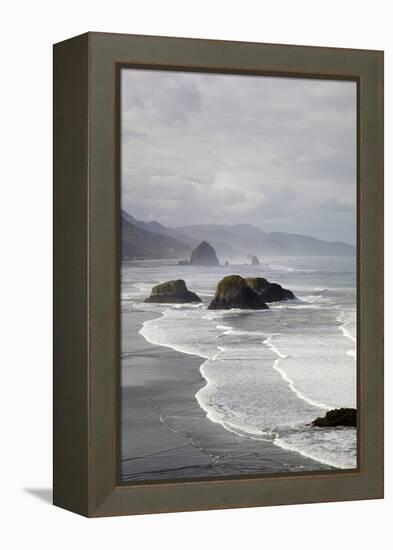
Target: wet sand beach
{"points": [[166, 435]]}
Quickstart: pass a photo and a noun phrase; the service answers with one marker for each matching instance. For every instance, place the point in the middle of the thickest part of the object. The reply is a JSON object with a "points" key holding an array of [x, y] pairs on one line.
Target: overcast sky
{"points": [[278, 153]]}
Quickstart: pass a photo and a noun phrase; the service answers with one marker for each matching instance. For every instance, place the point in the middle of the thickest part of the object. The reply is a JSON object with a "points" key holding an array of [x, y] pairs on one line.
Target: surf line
{"points": [[343, 326], [346, 333], [207, 408], [268, 342]]}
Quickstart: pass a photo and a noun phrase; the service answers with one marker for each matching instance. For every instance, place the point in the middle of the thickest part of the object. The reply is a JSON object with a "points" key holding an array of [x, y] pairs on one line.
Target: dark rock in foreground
{"points": [[204, 254], [337, 417], [255, 261], [172, 292], [276, 293], [269, 292], [233, 292]]}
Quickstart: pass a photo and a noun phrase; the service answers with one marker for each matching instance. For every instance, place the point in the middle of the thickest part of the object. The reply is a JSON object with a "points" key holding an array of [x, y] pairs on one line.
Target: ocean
{"points": [[267, 374]]}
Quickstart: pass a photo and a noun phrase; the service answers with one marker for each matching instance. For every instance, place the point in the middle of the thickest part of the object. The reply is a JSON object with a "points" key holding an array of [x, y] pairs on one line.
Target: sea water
{"points": [[269, 373]]}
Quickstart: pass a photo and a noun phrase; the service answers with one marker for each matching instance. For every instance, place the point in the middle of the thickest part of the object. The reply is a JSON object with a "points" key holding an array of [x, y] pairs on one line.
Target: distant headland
{"points": [[153, 240]]}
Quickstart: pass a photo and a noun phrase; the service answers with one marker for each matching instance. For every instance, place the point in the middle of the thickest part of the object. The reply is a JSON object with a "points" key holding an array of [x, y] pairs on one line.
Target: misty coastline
{"points": [[238, 195], [232, 243]]}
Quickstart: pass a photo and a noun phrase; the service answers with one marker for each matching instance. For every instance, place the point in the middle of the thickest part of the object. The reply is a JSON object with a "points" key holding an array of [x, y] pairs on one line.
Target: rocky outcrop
{"points": [[204, 254], [269, 292], [172, 292], [337, 417], [276, 293], [255, 261], [257, 284], [233, 292]]}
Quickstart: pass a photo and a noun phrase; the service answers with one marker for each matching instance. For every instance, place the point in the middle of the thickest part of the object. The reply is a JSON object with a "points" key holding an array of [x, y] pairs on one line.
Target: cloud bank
{"points": [[278, 153]]}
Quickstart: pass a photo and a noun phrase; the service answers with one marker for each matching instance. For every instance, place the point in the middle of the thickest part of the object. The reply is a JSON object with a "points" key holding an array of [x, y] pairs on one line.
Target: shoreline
{"points": [[165, 432]]}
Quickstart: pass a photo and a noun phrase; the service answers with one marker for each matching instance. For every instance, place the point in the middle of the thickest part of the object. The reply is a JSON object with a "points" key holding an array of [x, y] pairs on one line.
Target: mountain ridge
{"points": [[138, 243], [231, 241]]}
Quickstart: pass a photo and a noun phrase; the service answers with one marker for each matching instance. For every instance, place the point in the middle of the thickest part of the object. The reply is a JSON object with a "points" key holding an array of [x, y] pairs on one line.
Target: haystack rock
{"points": [[269, 292], [233, 292], [172, 292], [255, 261], [204, 254], [337, 417]]}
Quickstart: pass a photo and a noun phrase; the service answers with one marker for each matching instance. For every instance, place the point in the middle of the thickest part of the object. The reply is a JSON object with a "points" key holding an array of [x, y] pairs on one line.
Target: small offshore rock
{"points": [[204, 254], [269, 292], [233, 292], [172, 292], [337, 417], [276, 293]]}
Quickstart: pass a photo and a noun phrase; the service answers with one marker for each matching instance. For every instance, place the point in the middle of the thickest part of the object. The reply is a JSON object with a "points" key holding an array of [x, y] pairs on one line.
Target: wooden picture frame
{"points": [[86, 273]]}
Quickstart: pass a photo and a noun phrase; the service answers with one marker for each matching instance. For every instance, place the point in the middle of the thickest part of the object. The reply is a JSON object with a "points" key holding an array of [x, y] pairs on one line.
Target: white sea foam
{"points": [[273, 373], [317, 299], [335, 447], [285, 377], [231, 331], [187, 306], [344, 326], [298, 305], [288, 269], [347, 322], [147, 331]]}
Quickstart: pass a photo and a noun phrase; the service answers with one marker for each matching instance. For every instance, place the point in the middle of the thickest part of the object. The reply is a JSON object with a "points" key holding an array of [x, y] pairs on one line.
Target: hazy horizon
{"points": [[228, 225], [275, 153]]}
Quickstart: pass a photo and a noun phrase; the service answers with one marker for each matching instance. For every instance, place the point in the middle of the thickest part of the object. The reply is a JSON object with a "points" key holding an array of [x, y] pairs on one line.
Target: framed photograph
{"points": [[218, 274]]}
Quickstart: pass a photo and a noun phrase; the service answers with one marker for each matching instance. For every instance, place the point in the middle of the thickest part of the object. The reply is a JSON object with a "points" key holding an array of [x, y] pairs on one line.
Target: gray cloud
{"points": [[275, 152], [333, 205]]}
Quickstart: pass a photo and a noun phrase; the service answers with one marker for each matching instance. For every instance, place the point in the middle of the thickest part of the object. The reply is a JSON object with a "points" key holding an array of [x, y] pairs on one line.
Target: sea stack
{"points": [[233, 292], [172, 292], [204, 254], [269, 292], [255, 261], [336, 418]]}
